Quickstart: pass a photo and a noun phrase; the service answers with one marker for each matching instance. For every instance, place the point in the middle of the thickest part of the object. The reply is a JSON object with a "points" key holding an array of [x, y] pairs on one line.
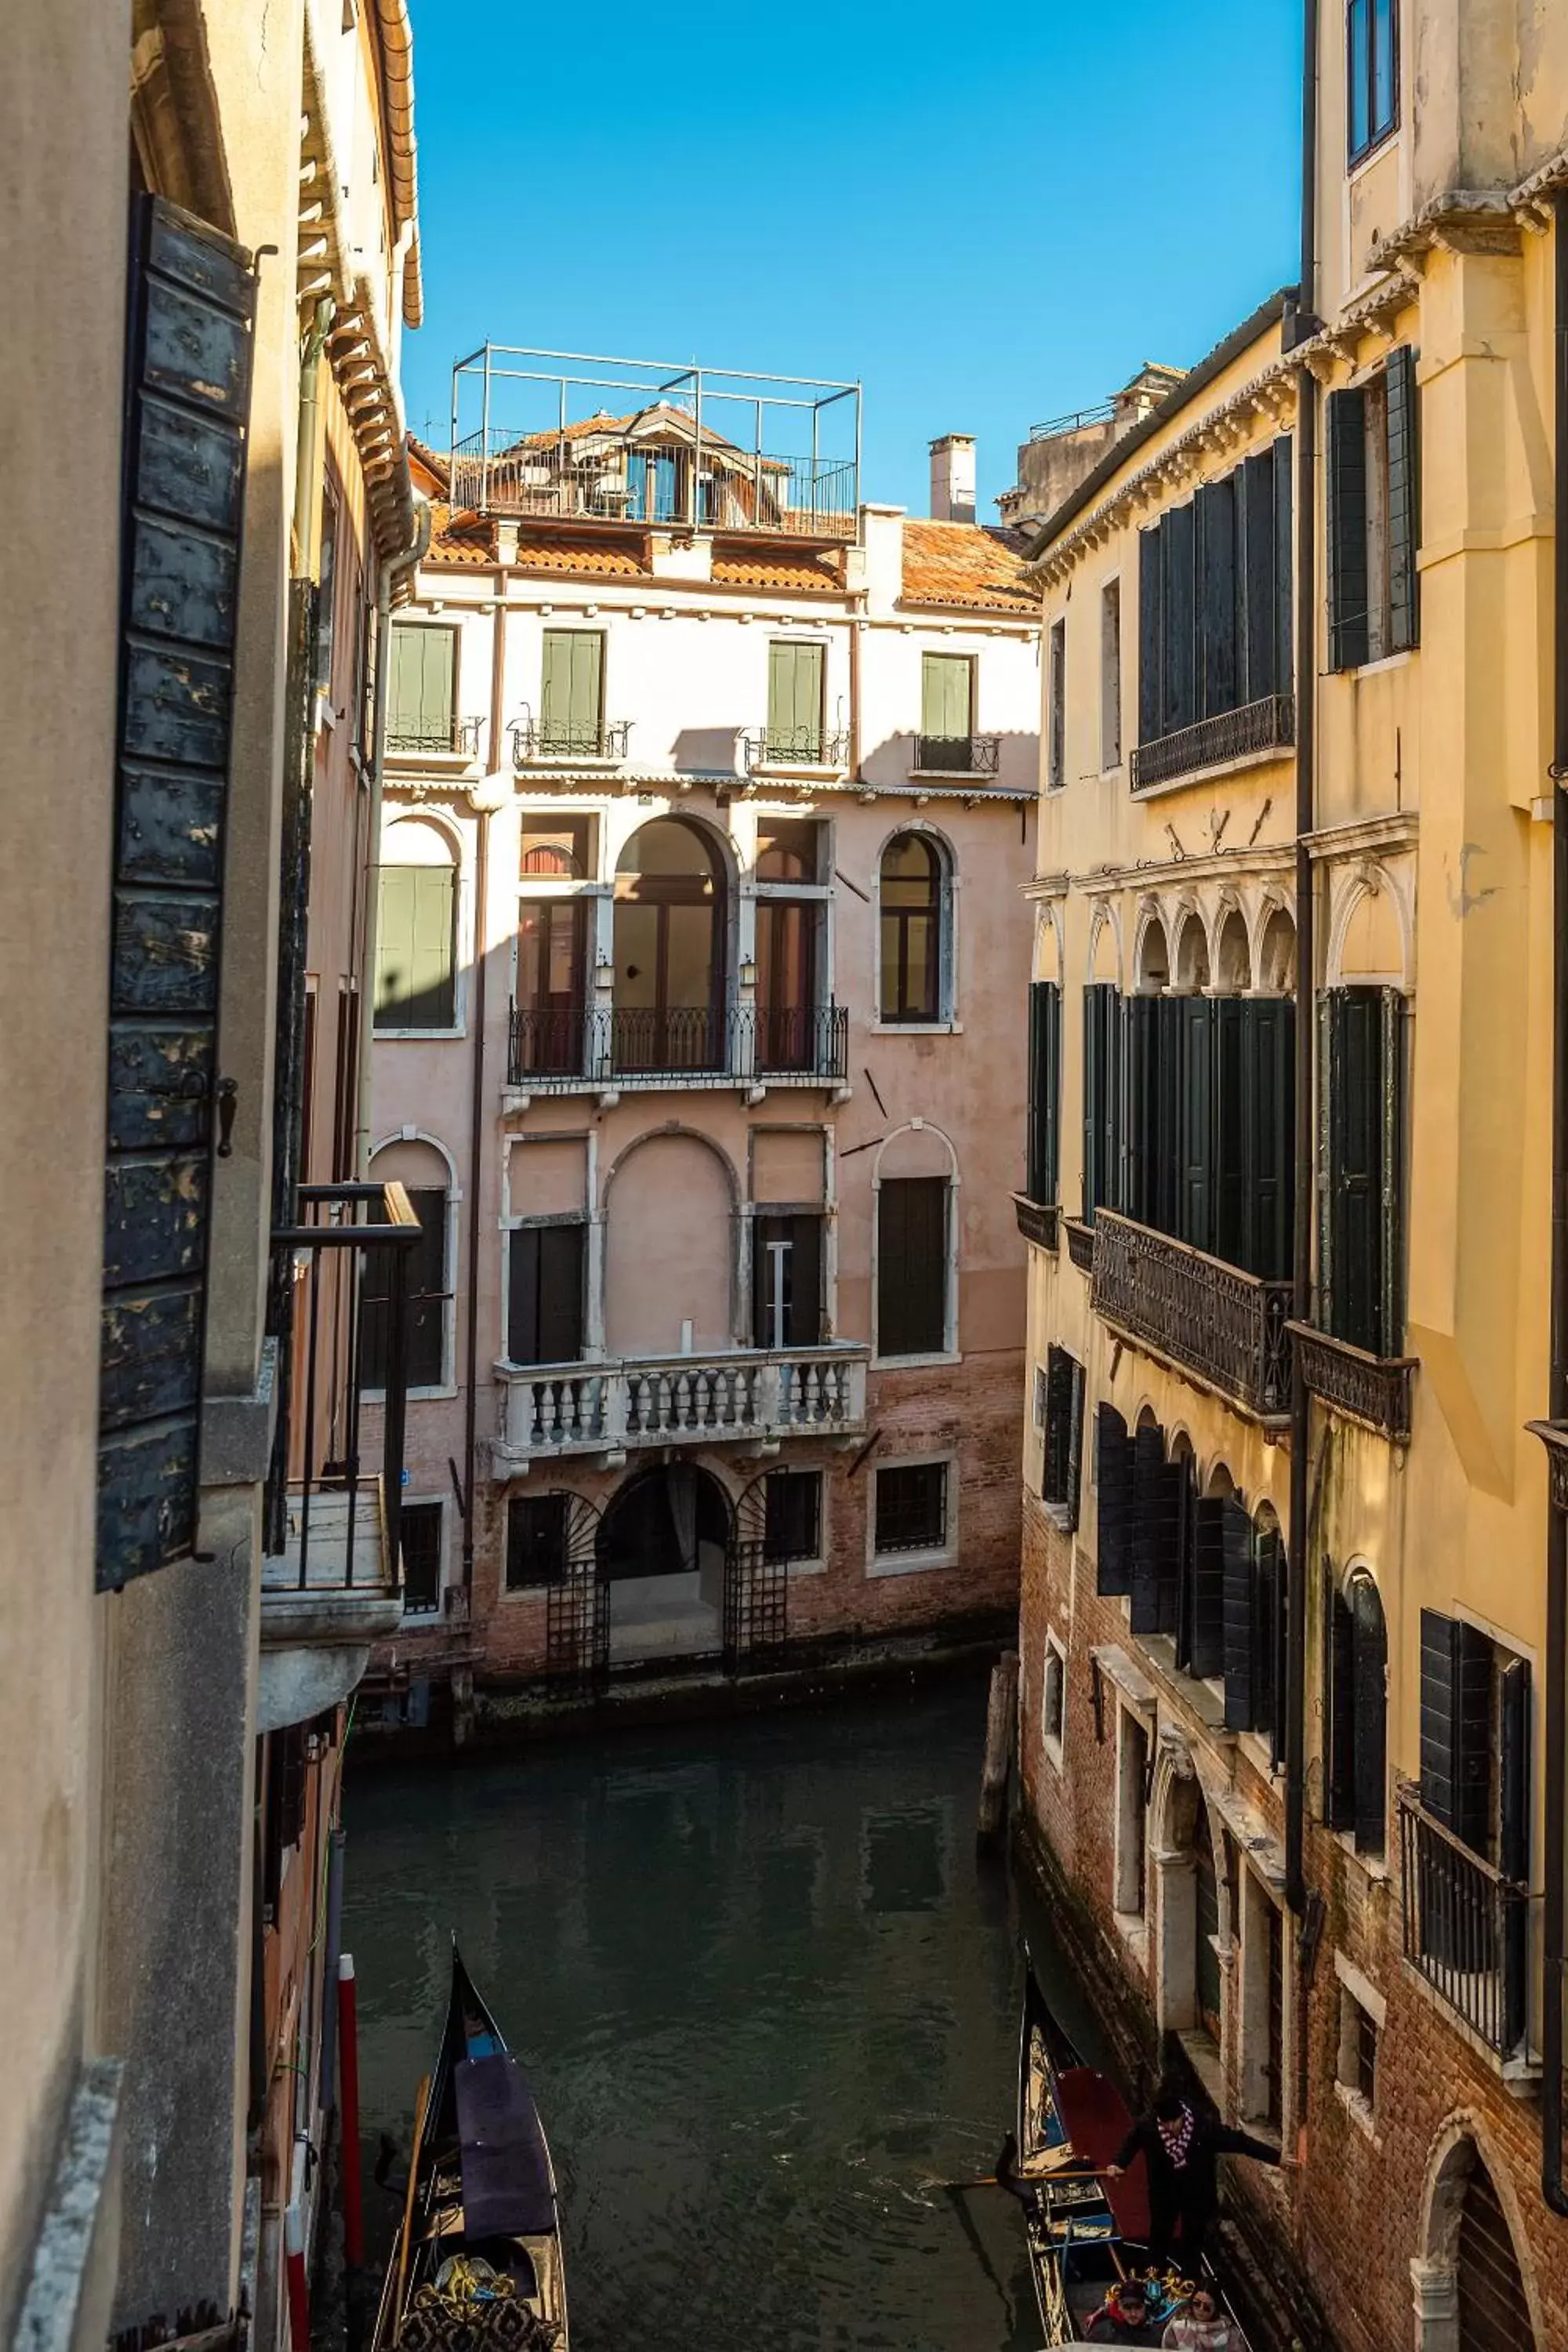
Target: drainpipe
{"points": [[308, 428], [1553, 2186], [391, 572], [1306, 982]]}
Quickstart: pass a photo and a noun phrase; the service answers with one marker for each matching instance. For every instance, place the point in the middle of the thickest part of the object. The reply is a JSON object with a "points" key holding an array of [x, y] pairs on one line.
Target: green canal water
{"points": [[768, 1998]]}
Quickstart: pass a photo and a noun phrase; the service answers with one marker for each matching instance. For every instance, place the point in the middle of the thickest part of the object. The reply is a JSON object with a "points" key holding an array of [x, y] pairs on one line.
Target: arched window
{"points": [[914, 924], [915, 1303], [1358, 1715], [423, 1169], [416, 930], [669, 936]]}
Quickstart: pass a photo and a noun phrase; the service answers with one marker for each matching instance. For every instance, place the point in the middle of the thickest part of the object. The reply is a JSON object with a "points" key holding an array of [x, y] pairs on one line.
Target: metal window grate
{"points": [[912, 1506]]}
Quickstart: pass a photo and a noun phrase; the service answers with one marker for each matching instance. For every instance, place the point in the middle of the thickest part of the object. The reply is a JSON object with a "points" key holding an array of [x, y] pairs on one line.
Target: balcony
{"points": [[1268, 725], [548, 742], [1375, 1390], [330, 1580], [1205, 1318], [954, 755], [1036, 1223], [449, 739], [801, 750], [567, 1050], [548, 1411], [1467, 1927]]}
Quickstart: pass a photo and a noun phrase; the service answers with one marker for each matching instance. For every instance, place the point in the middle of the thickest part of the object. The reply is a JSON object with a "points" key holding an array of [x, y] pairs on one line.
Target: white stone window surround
{"points": [[1054, 1671], [1357, 1992], [949, 1351], [947, 1023], [446, 1388], [914, 1563]]}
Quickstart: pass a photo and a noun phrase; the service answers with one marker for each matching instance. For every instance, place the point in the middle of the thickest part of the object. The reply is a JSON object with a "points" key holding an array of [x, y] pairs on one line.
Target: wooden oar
{"points": [[1023, 2179], [420, 2105]]}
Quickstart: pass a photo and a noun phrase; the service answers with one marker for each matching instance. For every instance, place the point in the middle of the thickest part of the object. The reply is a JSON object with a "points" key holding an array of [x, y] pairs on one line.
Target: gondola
{"points": [[1086, 2233], [477, 2265]]}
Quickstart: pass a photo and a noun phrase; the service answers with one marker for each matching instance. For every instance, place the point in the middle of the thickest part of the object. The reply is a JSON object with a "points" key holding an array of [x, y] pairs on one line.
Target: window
{"points": [[1113, 1491], [1058, 718], [1253, 1610], [536, 1541], [421, 695], [327, 596], [1262, 1928], [791, 1525], [789, 849], [1043, 1146], [1357, 1714], [787, 1281], [1355, 2068], [1476, 1741], [1373, 458], [911, 1266], [947, 714], [911, 1507], [1064, 1434], [1371, 62], [1214, 601], [556, 848], [1101, 1098], [788, 943], [1053, 1696], [552, 955], [1111, 675], [426, 1290], [1131, 1812], [417, 948], [913, 921], [669, 944], [544, 1292], [570, 702], [422, 1526], [794, 703], [1210, 1095], [1361, 1252]]}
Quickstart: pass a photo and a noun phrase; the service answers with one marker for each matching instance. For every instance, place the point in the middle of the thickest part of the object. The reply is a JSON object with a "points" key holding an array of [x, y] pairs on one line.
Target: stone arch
{"points": [[1369, 931], [1219, 1485], [1273, 959], [661, 1550], [1468, 2208], [1190, 1861], [1050, 961], [919, 1147], [1152, 955], [1104, 964], [1192, 954], [670, 1206], [1232, 952], [421, 837]]}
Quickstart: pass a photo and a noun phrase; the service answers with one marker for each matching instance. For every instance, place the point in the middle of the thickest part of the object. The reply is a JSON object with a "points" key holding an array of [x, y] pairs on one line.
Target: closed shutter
{"points": [[1349, 638], [545, 1300], [1232, 1200], [1198, 1129], [1269, 1084], [421, 688], [1140, 1133], [1268, 1634], [1259, 628], [1514, 1770], [1207, 1582], [1156, 1534], [1340, 1812], [1238, 1548], [417, 948], [1150, 636], [1456, 1724], [1058, 1422], [1284, 566], [1370, 1709], [1074, 1447], [1391, 1234], [1102, 1120], [946, 684], [1218, 649], [1354, 1177], [804, 1323], [1113, 1484], [572, 701], [911, 1266], [1170, 1114], [1404, 501], [188, 359], [794, 702], [1180, 662], [1045, 1088]]}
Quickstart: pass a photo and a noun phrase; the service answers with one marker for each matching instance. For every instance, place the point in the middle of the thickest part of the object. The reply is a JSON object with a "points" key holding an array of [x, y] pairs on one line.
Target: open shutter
{"points": [[1074, 1445], [560, 1260], [421, 687], [1058, 1417], [1391, 1234], [1103, 1125], [1150, 634], [1341, 1810], [1456, 1725], [1170, 1114], [1217, 650], [1269, 1098], [188, 358], [1045, 1066], [1197, 1131], [1185, 1529], [1370, 1710], [1113, 1483], [1267, 1630], [1514, 1771], [1237, 1550], [1156, 1534], [1404, 501], [803, 1323], [1181, 619], [1232, 1200], [1208, 1587], [1349, 639], [1259, 625], [1353, 1178], [522, 1296], [794, 701]]}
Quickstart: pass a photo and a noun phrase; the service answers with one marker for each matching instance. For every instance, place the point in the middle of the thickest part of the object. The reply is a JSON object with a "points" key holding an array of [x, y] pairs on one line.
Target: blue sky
{"points": [[991, 215]]}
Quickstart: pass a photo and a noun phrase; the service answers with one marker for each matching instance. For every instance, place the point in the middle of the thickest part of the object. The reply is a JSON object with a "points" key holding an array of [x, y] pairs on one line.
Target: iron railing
{"points": [[799, 747], [1103, 414], [556, 1047], [334, 1523], [1210, 1318], [1081, 1244], [609, 477], [1373, 1390], [1036, 1220], [956, 755], [555, 738], [461, 735], [739, 1395], [1467, 1927], [1264, 726]]}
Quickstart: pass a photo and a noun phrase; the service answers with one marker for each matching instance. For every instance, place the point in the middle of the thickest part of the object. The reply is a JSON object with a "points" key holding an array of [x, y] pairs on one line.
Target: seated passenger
{"points": [[1202, 2327], [1126, 2305]]}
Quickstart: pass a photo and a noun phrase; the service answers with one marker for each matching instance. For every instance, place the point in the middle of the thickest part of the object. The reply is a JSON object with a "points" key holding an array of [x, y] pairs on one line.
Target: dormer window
{"points": [[1372, 77]]}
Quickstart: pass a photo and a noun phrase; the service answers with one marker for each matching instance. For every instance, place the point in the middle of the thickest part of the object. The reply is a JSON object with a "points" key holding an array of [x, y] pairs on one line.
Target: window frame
{"points": [[446, 1297], [415, 1618], [515, 1503], [1129, 1844], [811, 1563], [1361, 2005], [948, 1352], [412, 624], [577, 1221], [915, 1561], [385, 1032], [1377, 133], [1112, 723], [1054, 1664], [942, 1020]]}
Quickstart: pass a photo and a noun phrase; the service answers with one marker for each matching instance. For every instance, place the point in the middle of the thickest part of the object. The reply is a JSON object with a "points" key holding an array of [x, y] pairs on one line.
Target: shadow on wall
{"points": [[1011, 759]]}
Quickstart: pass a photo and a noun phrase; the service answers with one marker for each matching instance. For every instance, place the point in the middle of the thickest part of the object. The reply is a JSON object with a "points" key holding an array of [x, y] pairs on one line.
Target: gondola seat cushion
{"points": [[441, 2323]]}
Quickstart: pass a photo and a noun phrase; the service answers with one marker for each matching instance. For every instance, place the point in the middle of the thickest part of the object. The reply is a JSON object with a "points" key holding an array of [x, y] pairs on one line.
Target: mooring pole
{"points": [[1001, 1719], [348, 2111], [294, 2263]]}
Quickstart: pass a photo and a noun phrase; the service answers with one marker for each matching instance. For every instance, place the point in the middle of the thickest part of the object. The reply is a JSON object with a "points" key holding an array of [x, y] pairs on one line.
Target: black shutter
{"points": [[1208, 1587], [1074, 1445], [1340, 1812], [1180, 537], [1456, 1724], [1514, 1771], [1113, 1481], [911, 1266], [1259, 625], [522, 1296], [1197, 1131], [1284, 565], [1404, 501], [1140, 1127], [1101, 1119], [1217, 652], [1237, 1547], [1150, 634], [1267, 1624], [803, 1323], [1353, 1181], [1391, 1232], [1349, 640], [560, 1270], [1058, 1422], [1094, 1078], [1156, 1535], [1170, 1122], [426, 1347], [1370, 1708], [1232, 1199], [1045, 1085], [188, 358], [1268, 1089]]}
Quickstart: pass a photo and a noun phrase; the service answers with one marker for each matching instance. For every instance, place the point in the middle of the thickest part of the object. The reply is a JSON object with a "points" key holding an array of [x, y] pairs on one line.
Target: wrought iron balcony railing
{"points": [[1036, 1220], [455, 735], [582, 476], [550, 1410], [955, 755], [1209, 1318], [1264, 726], [800, 747], [1373, 1390], [556, 1048], [1467, 1927], [553, 738]]}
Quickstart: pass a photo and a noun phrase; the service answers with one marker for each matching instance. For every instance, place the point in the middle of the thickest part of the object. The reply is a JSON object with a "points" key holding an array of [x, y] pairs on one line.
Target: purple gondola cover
{"points": [[506, 2166]]}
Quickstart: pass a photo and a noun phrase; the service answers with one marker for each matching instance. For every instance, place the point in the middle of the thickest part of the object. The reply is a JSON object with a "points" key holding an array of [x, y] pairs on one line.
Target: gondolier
{"points": [[1182, 2148]]}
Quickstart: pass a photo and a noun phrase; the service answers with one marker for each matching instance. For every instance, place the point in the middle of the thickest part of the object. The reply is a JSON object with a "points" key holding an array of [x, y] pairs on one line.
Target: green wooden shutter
{"points": [[1369, 1661], [1045, 1087], [188, 359], [1102, 1097], [1353, 1178], [1169, 1119], [1150, 636], [1284, 565], [572, 696], [420, 688], [1257, 578], [1206, 1641], [1349, 638], [1113, 1484], [1074, 1445], [1156, 1505], [1404, 501], [946, 691], [794, 702], [1216, 509], [1181, 664], [1340, 1807], [415, 948], [1230, 1158], [1197, 1124], [1240, 1555], [394, 945]]}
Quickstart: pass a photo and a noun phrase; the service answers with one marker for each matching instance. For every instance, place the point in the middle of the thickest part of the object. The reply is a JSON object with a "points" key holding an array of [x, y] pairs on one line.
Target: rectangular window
{"points": [[1211, 1106], [947, 713], [1253, 1612], [1057, 706], [420, 1526], [1361, 1253], [417, 948], [1356, 2070], [1372, 74], [1214, 609], [421, 696], [788, 930], [1373, 456], [1358, 1713], [1053, 1698], [1042, 1143], [536, 1541], [1111, 675], [1113, 1494], [1131, 1813], [327, 594], [912, 1506], [911, 1266], [791, 1502], [427, 1289], [1064, 1433], [787, 1281], [545, 1294], [570, 705], [794, 703]]}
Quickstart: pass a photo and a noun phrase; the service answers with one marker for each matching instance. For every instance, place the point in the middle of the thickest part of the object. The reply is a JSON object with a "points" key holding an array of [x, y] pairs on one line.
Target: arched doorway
{"points": [[669, 934], [663, 1543], [1470, 2290]]}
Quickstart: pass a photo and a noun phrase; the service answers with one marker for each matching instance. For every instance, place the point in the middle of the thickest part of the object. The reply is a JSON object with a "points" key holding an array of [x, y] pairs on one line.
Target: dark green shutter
{"points": [[572, 703], [1113, 1485], [1237, 1612], [415, 948], [1267, 1629], [1370, 1710], [1456, 1725], [1170, 1108], [1207, 1646], [188, 361], [1140, 1129], [1217, 664], [1353, 1181], [1156, 1534], [911, 1266], [1404, 501], [1197, 1125], [1101, 1116], [1258, 578], [545, 1301], [1075, 1446], [946, 692], [1391, 1222], [1150, 636], [794, 701], [1180, 662], [1514, 1770], [1045, 1089], [1349, 638], [1231, 1201], [1058, 1422], [1284, 565], [1340, 1812], [1269, 1084]]}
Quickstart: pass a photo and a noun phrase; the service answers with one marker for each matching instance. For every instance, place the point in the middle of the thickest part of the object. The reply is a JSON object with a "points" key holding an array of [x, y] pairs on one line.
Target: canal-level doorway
{"points": [[663, 1547]]}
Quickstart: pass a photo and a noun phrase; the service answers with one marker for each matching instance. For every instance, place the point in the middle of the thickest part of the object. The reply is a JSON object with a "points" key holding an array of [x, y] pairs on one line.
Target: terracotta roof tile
{"points": [[966, 563], [607, 558], [770, 571], [461, 538]]}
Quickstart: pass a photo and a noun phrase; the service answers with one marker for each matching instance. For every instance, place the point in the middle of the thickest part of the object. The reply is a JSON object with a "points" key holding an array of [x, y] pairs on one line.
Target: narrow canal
{"points": [[768, 1998]]}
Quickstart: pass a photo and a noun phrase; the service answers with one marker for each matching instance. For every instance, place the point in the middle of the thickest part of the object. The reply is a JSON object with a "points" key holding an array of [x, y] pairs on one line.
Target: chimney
{"points": [[953, 478]]}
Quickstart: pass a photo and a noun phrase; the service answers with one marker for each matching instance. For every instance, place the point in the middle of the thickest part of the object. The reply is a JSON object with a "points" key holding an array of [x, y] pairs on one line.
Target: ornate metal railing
{"points": [[460, 735], [955, 755], [1081, 1244], [800, 747], [1373, 1390], [795, 1041], [1467, 1927], [1264, 726], [553, 738], [1036, 1220], [557, 1409], [1213, 1320], [555, 1047]]}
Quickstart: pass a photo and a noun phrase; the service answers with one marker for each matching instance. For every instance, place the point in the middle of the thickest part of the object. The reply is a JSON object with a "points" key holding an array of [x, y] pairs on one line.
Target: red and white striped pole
{"points": [[294, 2265], [348, 2111]]}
